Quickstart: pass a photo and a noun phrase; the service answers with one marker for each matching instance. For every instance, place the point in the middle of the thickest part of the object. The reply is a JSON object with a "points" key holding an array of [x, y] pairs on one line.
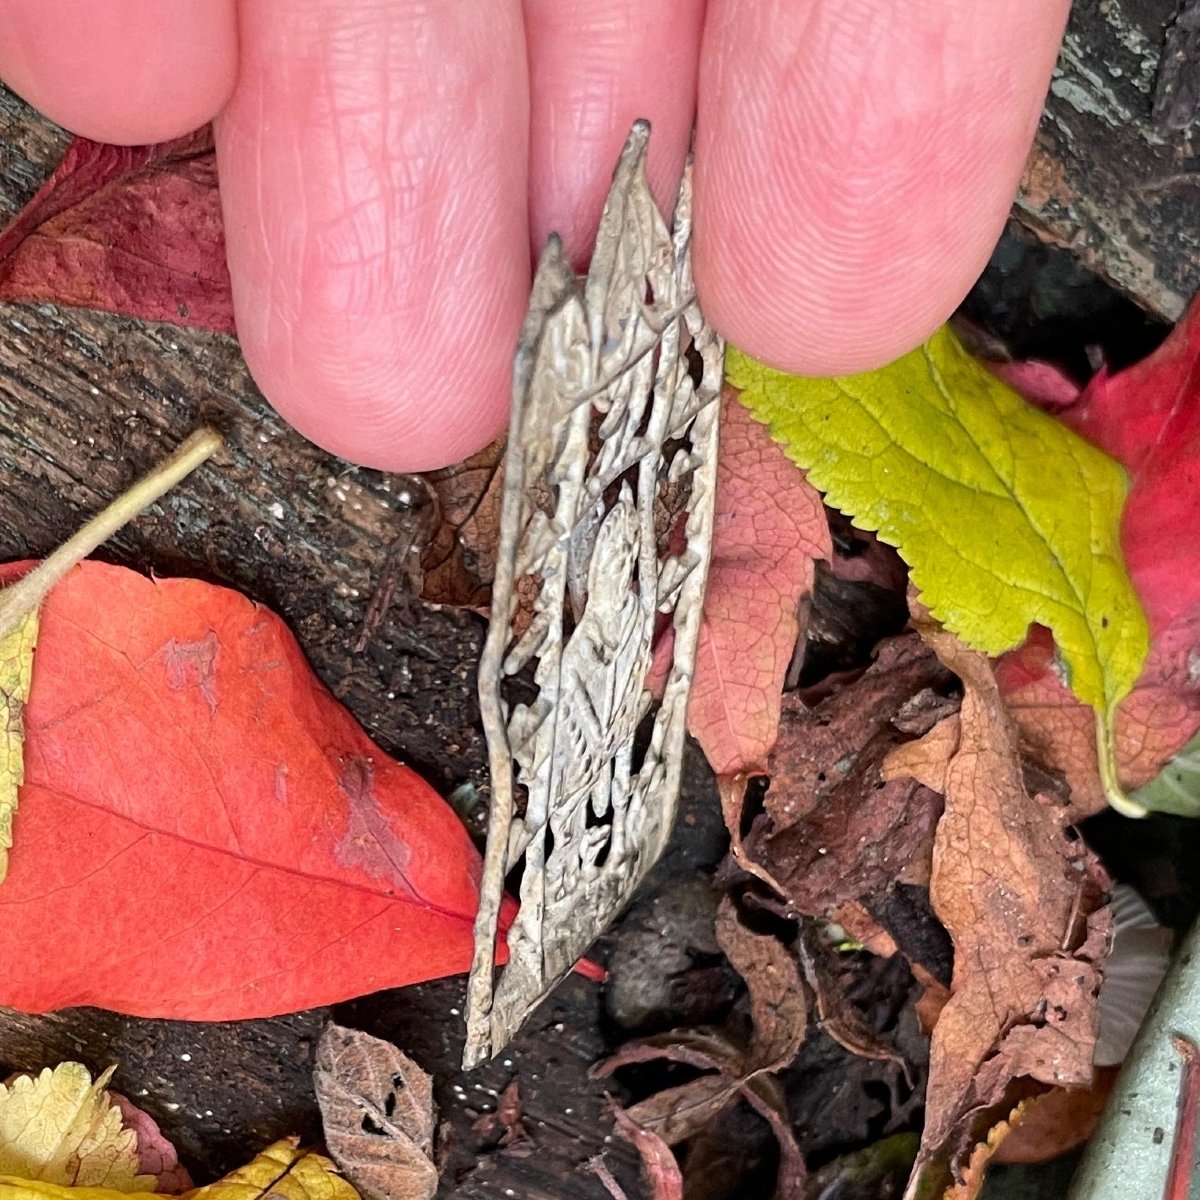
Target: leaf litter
{"points": [[933, 450], [1024, 907], [846, 845]]}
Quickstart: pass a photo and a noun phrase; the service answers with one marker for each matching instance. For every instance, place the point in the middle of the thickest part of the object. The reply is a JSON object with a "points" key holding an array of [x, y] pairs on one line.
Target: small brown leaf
{"points": [[678, 1113], [835, 831], [460, 558], [778, 1006], [377, 1109], [506, 1120]]}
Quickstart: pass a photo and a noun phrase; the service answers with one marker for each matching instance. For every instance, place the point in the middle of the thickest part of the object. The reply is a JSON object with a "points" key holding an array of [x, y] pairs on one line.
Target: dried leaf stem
{"points": [[30, 590], [1106, 754]]}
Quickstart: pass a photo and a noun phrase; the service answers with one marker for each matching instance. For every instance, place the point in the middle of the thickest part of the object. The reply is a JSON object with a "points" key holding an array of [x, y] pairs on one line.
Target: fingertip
{"points": [[596, 66], [386, 402], [121, 71], [855, 165], [373, 179]]}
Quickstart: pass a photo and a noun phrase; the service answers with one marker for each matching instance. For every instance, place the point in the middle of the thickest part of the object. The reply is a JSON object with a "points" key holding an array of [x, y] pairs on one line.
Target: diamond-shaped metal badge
{"points": [[604, 552]]}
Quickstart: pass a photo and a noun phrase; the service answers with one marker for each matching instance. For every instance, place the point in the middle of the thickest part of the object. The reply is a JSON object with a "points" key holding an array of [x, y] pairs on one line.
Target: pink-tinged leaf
{"points": [[770, 529], [1041, 383], [156, 1155], [662, 1174], [126, 229], [204, 833]]}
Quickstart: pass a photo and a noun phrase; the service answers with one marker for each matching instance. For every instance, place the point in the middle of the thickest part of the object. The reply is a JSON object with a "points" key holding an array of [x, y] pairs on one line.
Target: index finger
{"points": [[855, 164]]}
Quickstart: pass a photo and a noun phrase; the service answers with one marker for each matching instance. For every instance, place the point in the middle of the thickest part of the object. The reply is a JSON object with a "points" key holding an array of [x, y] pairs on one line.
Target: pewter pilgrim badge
{"points": [[604, 549]]}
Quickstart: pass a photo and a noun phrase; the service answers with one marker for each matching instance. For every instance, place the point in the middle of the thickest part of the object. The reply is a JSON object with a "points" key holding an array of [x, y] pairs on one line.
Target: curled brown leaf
{"points": [[1021, 903]]}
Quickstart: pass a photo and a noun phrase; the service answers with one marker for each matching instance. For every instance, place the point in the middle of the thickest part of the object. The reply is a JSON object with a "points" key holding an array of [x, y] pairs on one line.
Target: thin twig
{"points": [[30, 590]]}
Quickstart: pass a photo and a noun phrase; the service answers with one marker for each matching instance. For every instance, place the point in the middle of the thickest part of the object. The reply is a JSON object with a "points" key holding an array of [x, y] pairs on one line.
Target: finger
{"points": [[122, 71], [595, 66], [373, 177], [855, 163]]}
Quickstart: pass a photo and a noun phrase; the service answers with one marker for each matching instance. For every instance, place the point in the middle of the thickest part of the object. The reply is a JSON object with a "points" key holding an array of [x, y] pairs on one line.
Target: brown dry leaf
{"points": [[377, 1109], [680, 1112], [661, 1171], [732, 792], [459, 560], [1019, 901], [927, 759], [778, 1006], [733, 1070], [676, 1114], [835, 831]]}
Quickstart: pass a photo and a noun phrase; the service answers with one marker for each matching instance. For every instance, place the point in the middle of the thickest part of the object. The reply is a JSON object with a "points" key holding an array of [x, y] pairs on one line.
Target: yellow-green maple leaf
{"points": [[281, 1171], [16, 677], [61, 1128], [1004, 515]]}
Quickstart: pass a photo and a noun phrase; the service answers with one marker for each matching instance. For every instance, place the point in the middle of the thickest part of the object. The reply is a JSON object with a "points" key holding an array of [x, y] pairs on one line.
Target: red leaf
{"points": [[1147, 417], [204, 832], [770, 527], [127, 229]]}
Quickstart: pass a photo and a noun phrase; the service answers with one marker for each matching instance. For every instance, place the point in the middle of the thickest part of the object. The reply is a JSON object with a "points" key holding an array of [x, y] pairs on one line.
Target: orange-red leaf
{"points": [[204, 832]]}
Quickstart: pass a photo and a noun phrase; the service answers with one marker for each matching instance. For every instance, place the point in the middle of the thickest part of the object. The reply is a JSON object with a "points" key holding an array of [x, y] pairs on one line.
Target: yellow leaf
{"points": [[1004, 515], [61, 1128], [16, 675], [282, 1171]]}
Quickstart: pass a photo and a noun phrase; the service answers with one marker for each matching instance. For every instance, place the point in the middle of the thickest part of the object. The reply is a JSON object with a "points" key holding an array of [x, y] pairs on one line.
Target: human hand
{"points": [[386, 166]]}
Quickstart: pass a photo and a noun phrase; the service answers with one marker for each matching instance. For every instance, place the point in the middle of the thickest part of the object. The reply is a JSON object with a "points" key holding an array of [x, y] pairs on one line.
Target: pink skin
{"points": [[385, 165]]}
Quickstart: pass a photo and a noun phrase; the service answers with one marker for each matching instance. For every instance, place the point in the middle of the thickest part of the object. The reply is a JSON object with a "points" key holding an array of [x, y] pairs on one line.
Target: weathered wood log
{"points": [[1114, 171]]}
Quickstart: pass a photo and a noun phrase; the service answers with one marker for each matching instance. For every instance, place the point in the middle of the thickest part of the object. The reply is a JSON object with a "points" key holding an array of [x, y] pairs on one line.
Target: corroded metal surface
{"points": [[604, 550]]}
